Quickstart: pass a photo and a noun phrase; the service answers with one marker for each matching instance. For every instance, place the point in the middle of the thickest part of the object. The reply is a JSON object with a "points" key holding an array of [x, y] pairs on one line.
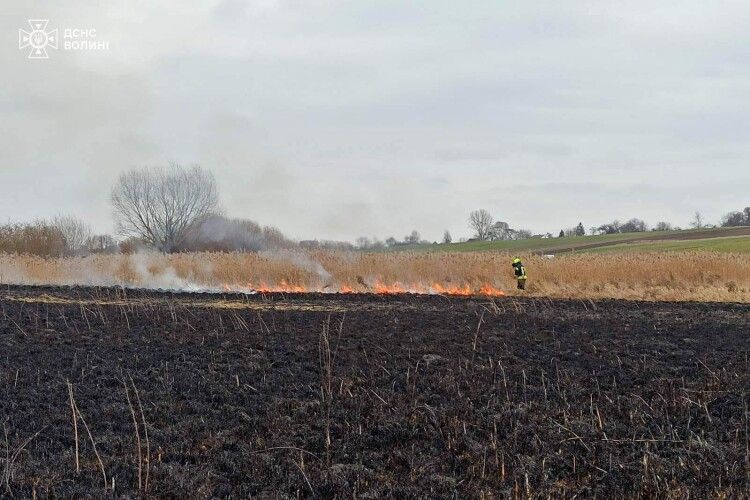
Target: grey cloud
{"points": [[400, 115], [230, 10]]}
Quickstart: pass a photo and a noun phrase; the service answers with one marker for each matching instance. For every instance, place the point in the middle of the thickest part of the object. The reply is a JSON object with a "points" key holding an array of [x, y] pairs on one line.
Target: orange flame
{"points": [[451, 290], [286, 287], [490, 291], [378, 287], [384, 289]]}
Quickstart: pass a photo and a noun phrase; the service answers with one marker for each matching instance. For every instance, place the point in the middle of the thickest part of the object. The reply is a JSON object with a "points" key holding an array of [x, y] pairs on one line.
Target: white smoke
{"points": [[148, 268], [219, 233], [230, 234], [145, 269], [301, 260], [149, 276]]}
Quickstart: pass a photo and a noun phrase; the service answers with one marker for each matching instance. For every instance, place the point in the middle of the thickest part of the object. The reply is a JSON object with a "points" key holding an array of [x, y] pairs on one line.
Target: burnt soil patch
{"points": [[369, 396]]}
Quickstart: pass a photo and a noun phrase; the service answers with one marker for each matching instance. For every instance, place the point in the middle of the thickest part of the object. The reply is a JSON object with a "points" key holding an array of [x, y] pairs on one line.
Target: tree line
{"points": [[173, 209], [177, 209], [485, 228]]}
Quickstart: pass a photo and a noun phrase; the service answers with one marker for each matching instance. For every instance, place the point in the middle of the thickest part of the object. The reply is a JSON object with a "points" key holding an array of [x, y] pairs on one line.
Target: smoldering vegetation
{"points": [[680, 276], [64, 251]]}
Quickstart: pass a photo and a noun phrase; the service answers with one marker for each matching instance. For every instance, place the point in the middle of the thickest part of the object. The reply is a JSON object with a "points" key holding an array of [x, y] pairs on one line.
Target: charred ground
{"points": [[369, 396]]}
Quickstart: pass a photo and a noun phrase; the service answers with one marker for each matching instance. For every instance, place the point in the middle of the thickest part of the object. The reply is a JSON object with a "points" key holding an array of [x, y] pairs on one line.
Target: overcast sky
{"points": [[335, 119]]}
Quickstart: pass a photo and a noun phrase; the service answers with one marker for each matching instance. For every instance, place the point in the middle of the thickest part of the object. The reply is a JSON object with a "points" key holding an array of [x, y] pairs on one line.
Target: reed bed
{"points": [[677, 276]]}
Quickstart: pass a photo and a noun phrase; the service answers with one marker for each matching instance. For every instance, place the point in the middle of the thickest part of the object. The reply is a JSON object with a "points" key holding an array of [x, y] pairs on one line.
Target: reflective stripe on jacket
{"points": [[520, 271]]}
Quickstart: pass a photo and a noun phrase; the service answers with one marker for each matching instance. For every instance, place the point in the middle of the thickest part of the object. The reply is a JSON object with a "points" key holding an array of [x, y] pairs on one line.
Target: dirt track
{"points": [[371, 396]]}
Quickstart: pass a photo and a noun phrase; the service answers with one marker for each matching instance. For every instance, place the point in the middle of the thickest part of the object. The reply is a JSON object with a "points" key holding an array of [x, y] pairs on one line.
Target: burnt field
{"points": [[112, 393]]}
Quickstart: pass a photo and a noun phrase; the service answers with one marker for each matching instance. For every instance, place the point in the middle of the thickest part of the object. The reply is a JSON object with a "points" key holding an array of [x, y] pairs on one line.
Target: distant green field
{"points": [[739, 244], [720, 240], [531, 244]]}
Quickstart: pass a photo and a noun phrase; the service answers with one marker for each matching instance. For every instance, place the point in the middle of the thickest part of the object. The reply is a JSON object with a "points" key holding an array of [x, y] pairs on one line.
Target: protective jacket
{"points": [[519, 270]]}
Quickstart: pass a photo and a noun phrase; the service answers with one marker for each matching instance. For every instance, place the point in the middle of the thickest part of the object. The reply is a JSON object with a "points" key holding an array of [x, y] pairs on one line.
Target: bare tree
{"points": [[737, 218], [523, 234], [447, 238], [634, 225], [363, 243], [412, 238], [500, 231], [160, 205], [75, 232], [610, 228], [697, 221], [481, 222], [101, 243]]}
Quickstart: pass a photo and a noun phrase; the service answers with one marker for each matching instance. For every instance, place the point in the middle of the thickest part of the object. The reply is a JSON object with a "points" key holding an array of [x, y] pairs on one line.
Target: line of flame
{"points": [[378, 287]]}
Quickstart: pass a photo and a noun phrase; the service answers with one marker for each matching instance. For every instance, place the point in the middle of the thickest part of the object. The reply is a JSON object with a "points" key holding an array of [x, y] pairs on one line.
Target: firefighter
{"points": [[520, 273]]}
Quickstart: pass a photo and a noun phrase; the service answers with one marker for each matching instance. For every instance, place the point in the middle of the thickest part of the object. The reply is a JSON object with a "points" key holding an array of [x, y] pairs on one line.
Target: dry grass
{"points": [[703, 276]]}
